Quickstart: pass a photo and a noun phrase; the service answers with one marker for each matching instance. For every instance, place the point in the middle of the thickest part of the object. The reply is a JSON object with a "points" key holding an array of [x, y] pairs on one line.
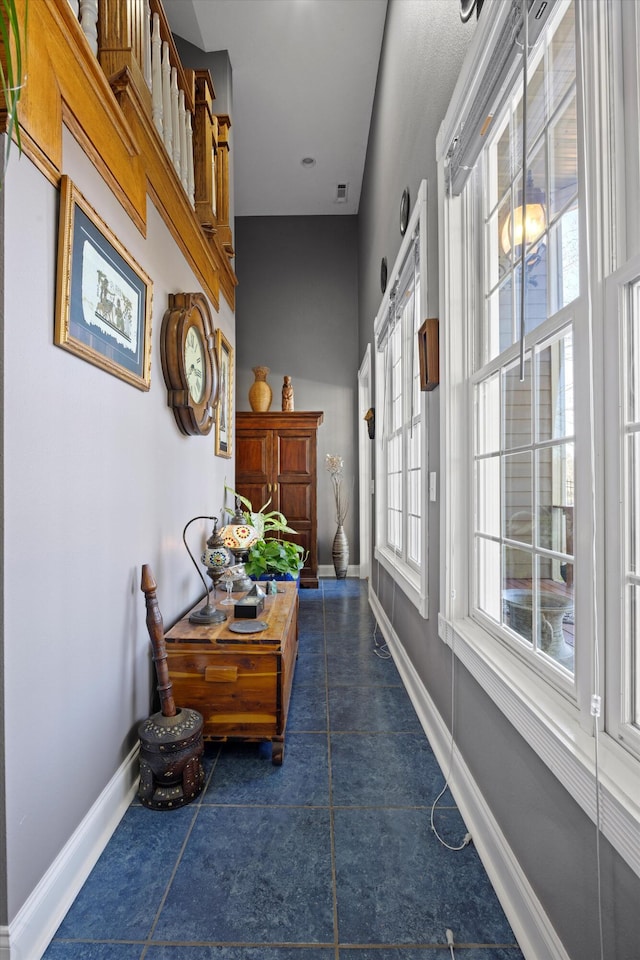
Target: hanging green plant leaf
{"points": [[11, 78]]}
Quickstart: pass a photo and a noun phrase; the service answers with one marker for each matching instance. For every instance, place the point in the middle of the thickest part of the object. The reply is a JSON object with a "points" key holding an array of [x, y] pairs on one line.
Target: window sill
{"points": [[409, 580], [551, 726]]}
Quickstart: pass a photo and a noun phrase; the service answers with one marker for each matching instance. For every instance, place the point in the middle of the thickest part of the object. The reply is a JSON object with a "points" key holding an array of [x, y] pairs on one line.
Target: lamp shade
{"points": [[216, 557], [529, 221], [239, 535]]}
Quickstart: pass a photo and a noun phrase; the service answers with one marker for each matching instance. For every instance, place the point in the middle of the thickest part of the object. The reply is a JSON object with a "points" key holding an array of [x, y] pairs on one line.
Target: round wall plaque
{"points": [[404, 211]]}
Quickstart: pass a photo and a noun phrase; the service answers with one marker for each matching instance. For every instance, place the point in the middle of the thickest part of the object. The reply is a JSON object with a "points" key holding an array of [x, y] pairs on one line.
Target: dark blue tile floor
{"points": [[329, 857]]}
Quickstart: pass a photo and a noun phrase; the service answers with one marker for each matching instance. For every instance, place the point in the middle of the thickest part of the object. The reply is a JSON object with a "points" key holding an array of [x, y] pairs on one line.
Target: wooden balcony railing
{"points": [[110, 71]]}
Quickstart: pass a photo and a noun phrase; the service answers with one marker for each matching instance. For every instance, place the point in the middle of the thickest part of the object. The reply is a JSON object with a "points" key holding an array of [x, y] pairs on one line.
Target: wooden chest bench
{"points": [[241, 684]]}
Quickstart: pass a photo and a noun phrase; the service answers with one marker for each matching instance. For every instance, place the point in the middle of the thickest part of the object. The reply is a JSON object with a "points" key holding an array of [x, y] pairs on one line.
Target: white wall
{"points": [[97, 481]]}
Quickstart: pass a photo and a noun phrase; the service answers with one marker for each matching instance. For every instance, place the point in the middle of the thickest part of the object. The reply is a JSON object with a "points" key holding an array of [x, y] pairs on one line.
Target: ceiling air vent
{"points": [[342, 189]]}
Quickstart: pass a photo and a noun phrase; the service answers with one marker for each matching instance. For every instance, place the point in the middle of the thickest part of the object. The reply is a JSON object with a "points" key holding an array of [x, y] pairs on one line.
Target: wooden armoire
{"points": [[276, 459]]}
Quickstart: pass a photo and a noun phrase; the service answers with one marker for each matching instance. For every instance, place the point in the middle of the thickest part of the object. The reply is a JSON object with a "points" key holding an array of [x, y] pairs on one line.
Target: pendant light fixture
{"points": [[529, 218]]}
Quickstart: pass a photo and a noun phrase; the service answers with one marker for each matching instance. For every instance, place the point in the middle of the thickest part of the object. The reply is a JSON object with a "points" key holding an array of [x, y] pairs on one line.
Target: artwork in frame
{"points": [[429, 354], [224, 410], [103, 297]]}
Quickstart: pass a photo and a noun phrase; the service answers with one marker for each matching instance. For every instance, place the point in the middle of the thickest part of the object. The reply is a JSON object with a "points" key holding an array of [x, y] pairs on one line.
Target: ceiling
{"points": [[304, 76]]}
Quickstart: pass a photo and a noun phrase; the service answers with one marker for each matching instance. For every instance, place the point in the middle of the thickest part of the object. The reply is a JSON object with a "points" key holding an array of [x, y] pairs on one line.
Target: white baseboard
{"points": [[536, 936], [29, 934], [328, 570]]}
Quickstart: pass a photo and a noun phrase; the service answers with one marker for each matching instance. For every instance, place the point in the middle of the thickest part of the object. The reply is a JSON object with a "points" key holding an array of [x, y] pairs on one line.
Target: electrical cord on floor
{"points": [[450, 942]]}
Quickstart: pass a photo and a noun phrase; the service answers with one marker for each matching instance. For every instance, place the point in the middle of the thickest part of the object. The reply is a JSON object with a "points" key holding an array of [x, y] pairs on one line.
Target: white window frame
{"points": [[412, 581], [556, 723], [620, 657], [622, 271]]}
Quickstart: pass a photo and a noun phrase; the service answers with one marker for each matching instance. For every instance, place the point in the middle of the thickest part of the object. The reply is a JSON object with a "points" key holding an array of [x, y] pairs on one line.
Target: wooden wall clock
{"points": [[190, 363]]}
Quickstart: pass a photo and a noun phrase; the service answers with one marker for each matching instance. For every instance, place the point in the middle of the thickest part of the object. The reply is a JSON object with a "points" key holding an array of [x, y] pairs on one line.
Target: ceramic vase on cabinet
{"points": [[340, 553], [260, 391]]}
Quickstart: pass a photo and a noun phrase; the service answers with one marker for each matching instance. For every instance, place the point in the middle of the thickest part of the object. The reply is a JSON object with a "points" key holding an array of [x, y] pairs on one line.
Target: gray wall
{"points": [[297, 313], [554, 841]]}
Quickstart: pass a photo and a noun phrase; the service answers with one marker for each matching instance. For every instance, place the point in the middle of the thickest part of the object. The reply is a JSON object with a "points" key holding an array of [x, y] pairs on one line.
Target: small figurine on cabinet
{"points": [[287, 395]]}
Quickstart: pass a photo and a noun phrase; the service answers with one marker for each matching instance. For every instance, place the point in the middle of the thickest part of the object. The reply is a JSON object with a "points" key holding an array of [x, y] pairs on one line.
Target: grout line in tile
{"points": [[173, 873]]}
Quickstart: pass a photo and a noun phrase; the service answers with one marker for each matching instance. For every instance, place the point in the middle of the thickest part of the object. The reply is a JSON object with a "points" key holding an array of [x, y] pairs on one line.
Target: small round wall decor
{"points": [[404, 211]]}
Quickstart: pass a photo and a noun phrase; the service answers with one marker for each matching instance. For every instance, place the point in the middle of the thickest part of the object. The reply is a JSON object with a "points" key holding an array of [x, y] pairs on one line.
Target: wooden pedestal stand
{"points": [[171, 742]]}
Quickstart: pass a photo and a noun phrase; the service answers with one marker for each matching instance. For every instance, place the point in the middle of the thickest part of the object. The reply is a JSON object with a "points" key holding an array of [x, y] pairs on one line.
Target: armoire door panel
{"points": [[257, 494], [254, 455], [295, 455], [295, 502]]}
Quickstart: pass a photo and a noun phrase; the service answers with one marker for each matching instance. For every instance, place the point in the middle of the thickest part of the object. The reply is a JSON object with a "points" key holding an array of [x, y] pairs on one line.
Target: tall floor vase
{"points": [[340, 553]]}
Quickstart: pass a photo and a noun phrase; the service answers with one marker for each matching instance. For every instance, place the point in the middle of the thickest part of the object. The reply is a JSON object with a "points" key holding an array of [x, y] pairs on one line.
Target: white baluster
{"points": [[89, 22], [175, 119], [156, 74], [191, 186], [167, 134], [182, 120], [146, 43], [75, 6]]}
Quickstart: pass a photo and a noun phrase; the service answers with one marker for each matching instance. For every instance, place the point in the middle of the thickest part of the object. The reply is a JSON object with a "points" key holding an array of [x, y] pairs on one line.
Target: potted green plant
{"points": [[270, 557]]}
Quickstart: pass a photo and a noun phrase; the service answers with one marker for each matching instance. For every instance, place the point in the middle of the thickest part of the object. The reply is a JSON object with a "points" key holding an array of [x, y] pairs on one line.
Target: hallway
{"points": [[329, 857]]}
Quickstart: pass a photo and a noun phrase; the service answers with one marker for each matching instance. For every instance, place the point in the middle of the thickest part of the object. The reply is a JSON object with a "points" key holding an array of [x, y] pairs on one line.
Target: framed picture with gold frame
{"points": [[429, 354], [224, 410], [103, 297]]}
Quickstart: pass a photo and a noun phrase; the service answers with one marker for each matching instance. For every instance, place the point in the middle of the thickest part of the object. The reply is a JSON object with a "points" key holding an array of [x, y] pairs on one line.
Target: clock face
{"points": [[194, 364]]}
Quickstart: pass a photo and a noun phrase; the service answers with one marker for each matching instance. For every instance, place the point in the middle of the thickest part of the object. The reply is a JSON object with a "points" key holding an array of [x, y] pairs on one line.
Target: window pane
{"points": [[488, 577], [633, 504], [633, 343], [488, 504], [632, 500], [555, 388], [414, 493], [517, 405], [517, 592], [503, 162], [562, 58], [488, 415], [536, 106], [499, 331], [564, 259], [563, 149], [555, 498], [499, 243], [518, 497], [395, 347], [413, 546], [634, 625], [554, 598], [536, 299]]}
